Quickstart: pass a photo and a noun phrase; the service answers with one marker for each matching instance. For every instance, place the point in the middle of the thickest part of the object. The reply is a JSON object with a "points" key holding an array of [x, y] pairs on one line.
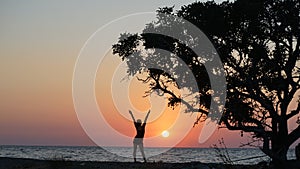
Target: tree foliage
{"points": [[258, 43]]}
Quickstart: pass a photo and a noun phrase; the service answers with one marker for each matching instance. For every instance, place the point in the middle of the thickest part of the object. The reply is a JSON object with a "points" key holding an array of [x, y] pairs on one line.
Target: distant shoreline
{"points": [[16, 145], [13, 145], [20, 163]]}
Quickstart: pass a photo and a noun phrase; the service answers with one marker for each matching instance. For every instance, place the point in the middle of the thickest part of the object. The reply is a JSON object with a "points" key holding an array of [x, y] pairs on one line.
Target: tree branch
{"points": [[254, 129], [178, 99], [294, 112], [260, 100]]}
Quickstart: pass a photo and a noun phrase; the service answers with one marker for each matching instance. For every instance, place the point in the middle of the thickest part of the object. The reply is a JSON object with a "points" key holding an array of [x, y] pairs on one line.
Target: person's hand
{"points": [[130, 112]]}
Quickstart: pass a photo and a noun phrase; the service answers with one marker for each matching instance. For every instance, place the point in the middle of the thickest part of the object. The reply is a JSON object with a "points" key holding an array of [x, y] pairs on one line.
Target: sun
{"points": [[165, 133]]}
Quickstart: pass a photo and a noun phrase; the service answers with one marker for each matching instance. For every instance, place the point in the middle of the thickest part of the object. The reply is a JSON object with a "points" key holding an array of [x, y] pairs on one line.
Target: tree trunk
{"points": [[282, 140], [297, 152], [279, 142], [279, 155]]}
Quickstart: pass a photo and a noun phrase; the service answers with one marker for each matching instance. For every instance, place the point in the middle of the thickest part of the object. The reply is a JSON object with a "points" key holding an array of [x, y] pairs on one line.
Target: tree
{"points": [[258, 43]]}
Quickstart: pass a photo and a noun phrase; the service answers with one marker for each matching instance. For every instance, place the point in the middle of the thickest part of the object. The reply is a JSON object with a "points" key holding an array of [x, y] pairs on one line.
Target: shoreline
{"points": [[27, 163], [22, 163]]}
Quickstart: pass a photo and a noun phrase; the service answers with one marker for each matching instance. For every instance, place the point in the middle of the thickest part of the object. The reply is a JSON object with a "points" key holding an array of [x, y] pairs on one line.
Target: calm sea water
{"points": [[204, 155]]}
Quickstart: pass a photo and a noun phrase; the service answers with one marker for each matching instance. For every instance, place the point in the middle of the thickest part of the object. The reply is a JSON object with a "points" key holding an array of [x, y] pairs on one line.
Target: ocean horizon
{"points": [[124, 154]]}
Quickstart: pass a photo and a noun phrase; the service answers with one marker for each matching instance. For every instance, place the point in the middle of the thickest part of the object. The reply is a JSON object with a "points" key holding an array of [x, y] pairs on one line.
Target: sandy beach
{"points": [[20, 163]]}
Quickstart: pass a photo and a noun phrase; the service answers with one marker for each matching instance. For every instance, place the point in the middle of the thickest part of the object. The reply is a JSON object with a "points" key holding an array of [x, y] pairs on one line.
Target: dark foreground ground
{"points": [[18, 163]]}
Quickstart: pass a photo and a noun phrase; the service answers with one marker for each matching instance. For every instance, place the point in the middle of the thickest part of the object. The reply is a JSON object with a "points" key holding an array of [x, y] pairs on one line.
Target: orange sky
{"points": [[39, 44]]}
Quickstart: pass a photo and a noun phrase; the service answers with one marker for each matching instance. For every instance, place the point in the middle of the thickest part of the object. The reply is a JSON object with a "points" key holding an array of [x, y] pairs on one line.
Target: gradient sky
{"points": [[39, 45]]}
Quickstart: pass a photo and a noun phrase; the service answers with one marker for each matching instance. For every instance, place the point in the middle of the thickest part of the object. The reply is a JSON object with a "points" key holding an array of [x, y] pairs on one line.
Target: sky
{"points": [[40, 42]]}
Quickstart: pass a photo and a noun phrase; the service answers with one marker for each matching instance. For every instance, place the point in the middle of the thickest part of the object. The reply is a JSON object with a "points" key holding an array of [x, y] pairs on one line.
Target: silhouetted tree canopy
{"points": [[258, 43]]}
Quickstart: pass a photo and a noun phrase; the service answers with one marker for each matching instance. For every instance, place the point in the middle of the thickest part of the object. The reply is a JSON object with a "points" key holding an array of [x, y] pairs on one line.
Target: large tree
{"points": [[258, 43]]}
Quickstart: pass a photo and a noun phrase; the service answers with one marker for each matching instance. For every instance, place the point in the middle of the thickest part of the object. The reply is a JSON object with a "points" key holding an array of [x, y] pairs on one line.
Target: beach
{"points": [[22, 163]]}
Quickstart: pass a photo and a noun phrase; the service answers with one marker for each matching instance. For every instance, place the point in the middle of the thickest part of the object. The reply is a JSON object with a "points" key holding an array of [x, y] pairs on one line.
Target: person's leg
{"points": [[134, 151], [142, 151]]}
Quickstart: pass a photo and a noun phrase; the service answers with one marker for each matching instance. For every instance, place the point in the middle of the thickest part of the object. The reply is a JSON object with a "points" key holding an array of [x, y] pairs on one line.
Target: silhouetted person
{"points": [[140, 132]]}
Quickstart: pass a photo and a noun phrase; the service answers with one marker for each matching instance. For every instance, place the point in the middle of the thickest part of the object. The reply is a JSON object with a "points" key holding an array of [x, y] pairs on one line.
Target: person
{"points": [[140, 132]]}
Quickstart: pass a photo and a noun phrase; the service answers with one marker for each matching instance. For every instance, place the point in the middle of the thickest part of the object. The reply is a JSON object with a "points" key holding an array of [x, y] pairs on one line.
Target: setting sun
{"points": [[165, 133]]}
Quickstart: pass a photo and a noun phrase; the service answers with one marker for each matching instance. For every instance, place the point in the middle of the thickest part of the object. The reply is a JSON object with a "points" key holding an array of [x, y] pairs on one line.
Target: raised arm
{"points": [[146, 118], [132, 116]]}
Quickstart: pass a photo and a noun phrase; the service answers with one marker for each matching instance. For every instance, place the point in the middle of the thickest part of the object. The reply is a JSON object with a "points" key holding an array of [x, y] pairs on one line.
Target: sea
{"points": [[170, 155]]}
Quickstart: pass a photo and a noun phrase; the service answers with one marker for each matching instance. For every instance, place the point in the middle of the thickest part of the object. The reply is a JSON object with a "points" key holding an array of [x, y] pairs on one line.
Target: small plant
{"points": [[222, 152]]}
